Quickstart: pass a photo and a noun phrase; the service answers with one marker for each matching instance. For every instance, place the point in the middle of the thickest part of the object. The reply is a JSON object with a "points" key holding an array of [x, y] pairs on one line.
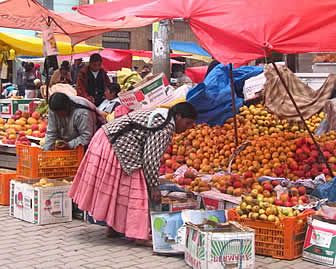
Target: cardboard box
{"points": [[40, 205], [253, 87], [173, 205], [320, 243], [213, 200], [215, 248], [148, 93], [168, 228], [8, 107]]}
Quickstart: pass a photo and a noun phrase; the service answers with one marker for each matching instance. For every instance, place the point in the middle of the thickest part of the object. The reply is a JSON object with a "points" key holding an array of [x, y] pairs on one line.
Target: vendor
{"points": [[72, 121], [93, 80], [30, 81], [61, 75], [119, 173], [111, 98]]}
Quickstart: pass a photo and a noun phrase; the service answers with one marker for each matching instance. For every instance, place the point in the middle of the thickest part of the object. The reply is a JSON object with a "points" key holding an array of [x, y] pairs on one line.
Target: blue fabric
{"points": [[212, 98], [326, 190], [188, 47]]}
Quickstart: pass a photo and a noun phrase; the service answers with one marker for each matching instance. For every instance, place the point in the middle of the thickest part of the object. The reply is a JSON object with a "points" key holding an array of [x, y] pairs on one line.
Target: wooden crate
{"points": [[8, 157]]}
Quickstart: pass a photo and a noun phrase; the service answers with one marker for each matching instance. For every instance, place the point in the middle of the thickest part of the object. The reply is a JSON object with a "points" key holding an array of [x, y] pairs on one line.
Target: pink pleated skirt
{"points": [[103, 189]]}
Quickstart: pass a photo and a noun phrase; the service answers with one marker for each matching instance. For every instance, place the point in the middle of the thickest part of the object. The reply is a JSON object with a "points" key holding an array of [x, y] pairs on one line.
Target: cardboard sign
{"points": [[320, 243], [148, 93], [49, 42], [253, 86]]}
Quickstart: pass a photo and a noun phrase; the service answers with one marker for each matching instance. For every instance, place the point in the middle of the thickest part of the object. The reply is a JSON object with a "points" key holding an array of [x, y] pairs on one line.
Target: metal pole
{"points": [[161, 50], [301, 117], [234, 110]]}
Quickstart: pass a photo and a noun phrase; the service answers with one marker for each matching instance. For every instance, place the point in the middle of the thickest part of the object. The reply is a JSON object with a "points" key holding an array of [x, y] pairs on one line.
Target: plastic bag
{"points": [[326, 190]]}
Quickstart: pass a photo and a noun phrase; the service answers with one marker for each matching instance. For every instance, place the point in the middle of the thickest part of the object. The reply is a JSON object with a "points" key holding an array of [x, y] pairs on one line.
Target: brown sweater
{"points": [[92, 88]]}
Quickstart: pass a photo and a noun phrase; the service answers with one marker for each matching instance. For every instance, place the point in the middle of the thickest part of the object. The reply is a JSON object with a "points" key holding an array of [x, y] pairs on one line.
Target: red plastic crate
{"points": [[33, 162], [282, 241], [5, 177]]}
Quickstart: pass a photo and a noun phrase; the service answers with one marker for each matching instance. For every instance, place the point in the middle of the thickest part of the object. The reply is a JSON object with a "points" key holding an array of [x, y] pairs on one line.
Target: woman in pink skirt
{"points": [[118, 177]]}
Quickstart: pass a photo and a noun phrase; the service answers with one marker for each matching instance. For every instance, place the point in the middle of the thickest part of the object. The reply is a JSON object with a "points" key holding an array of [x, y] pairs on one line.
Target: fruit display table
{"points": [[8, 157]]}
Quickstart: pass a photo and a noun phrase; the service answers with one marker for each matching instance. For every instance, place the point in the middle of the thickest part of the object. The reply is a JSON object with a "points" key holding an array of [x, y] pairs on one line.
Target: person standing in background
{"points": [[38, 71], [93, 80], [75, 68], [29, 78], [61, 75], [19, 78]]}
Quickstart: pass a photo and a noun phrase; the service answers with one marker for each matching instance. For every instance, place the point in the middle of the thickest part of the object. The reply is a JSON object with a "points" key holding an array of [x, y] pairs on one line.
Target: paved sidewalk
{"points": [[77, 245]]}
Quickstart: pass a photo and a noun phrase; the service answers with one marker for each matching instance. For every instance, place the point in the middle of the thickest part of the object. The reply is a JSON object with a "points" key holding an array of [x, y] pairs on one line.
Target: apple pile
{"points": [[186, 180], [233, 184], [262, 208], [169, 163], [190, 181], [265, 190], [294, 197], [22, 124], [308, 163]]}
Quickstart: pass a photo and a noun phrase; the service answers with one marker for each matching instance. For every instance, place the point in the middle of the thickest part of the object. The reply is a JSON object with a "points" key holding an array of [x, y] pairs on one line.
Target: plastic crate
{"points": [[5, 177], [282, 241], [33, 162]]}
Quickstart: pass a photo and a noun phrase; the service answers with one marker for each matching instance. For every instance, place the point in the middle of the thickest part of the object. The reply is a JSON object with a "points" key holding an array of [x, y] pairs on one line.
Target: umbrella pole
{"points": [[234, 110], [302, 119]]}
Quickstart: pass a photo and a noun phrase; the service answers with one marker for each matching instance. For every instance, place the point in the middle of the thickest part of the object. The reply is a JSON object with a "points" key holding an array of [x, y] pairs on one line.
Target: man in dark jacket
{"points": [[93, 80]]}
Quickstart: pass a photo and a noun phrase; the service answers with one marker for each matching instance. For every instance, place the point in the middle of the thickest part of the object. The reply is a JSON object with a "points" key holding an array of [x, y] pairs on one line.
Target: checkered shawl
{"points": [[140, 149]]}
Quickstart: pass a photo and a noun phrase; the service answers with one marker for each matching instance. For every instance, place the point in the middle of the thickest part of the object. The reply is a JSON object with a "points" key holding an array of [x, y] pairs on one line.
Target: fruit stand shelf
{"points": [[8, 157]]}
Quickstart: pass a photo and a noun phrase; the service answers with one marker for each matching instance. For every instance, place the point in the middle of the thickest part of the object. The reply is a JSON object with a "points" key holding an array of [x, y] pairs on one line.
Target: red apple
{"points": [[268, 187], [35, 127], [278, 202], [294, 191], [288, 204], [36, 115], [302, 190], [304, 199], [284, 197], [275, 182]]}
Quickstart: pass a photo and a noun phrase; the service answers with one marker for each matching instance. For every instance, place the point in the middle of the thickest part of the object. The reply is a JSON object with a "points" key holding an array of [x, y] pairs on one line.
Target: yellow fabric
{"points": [[176, 101], [33, 46], [195, 56]]}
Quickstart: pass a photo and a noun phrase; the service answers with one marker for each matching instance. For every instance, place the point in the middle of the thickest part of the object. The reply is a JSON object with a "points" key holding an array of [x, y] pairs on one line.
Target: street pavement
{"points": [[77, 245]]}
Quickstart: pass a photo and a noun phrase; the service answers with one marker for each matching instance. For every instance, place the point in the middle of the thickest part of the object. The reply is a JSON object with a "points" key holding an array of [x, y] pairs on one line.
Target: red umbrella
{"points": [[241, 30]]}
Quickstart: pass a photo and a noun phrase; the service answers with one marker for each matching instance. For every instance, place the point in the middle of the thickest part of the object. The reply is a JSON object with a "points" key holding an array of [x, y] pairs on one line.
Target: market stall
{"points": [[262, 170]]}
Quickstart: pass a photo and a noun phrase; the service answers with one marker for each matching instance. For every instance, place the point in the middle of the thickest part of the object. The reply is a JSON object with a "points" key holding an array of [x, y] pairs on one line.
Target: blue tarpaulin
{"points": [[212, 98], [188, 47]]}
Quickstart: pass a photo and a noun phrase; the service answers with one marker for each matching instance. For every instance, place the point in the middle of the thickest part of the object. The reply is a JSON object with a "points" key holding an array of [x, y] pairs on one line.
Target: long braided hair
{"points": [[185, 109]]}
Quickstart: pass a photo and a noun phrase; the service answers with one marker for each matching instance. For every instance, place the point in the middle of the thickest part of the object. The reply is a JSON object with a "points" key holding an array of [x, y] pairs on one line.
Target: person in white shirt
{"points": [[111, 98]]}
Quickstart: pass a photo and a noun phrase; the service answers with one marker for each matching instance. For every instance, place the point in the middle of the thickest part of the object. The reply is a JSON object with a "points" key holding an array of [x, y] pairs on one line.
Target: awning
{"points": [[33, 46], [241, 30], [196, 52]]}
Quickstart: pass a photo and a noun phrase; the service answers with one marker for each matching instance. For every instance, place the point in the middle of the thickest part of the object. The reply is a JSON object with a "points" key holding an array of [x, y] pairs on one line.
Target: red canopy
{"points": [[30, 15], [241, 30], [197, 73], [112, 60]]}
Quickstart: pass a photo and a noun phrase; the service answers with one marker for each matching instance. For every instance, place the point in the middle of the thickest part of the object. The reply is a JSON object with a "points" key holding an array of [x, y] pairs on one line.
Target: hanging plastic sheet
{"points": [[212, 98]]}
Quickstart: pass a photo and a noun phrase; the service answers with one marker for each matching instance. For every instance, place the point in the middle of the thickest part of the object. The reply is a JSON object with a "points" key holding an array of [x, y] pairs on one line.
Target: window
{"points": [[115, 45], [117, 40]]}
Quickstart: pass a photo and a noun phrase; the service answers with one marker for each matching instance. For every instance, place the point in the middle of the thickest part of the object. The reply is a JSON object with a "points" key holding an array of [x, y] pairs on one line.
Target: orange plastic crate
{"points": [[5, 177], [281, 241], [33, 162]]}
